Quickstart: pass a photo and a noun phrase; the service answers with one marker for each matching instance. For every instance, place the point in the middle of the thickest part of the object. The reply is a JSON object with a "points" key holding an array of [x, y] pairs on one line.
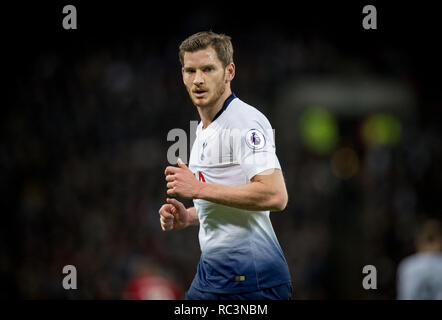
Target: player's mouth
{"points": [[199, 93]]}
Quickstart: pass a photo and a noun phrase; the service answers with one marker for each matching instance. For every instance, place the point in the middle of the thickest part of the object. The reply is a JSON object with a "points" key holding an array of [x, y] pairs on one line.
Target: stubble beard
{"points": [[219, 91]]}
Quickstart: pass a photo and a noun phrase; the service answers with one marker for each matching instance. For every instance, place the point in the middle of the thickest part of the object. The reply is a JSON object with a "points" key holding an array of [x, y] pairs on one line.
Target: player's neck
{"points": [[207, 113]]}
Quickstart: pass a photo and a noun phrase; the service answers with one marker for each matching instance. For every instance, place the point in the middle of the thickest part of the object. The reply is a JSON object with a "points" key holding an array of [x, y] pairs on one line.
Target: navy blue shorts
{"points": [[282, 292]]}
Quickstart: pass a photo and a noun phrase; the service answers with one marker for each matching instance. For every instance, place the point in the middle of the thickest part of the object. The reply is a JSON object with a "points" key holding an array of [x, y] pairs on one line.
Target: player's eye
{"points": [[208, 69], [190, 70]]}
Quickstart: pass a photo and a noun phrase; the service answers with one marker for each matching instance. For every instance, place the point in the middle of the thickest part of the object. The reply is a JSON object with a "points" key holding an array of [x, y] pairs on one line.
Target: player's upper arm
{"points": [[257, 152], [274, 185]]}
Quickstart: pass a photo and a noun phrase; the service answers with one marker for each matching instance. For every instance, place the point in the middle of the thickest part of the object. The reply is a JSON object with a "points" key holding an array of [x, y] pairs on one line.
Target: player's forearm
{"points": [[253, 196], [193, 217]]}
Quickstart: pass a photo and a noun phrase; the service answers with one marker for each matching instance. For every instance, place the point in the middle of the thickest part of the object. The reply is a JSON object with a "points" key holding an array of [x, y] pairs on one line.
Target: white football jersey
{"points": [[239, 248]]}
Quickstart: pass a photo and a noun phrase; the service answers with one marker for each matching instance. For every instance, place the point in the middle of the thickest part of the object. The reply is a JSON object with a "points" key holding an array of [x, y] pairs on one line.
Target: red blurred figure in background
{"points": [[148, 283]]}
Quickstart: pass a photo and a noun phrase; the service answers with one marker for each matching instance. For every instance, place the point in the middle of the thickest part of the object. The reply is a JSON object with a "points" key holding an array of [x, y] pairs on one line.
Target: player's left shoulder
{"points": [[245, 115]]}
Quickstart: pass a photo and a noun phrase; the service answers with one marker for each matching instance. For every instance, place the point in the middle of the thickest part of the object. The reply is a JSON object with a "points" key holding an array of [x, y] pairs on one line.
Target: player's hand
{"points": [[181, 182], [173, 215]]}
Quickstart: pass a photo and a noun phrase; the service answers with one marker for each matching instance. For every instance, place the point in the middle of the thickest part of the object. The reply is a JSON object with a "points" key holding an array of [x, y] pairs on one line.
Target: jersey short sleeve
{"points": [[256, 150]]}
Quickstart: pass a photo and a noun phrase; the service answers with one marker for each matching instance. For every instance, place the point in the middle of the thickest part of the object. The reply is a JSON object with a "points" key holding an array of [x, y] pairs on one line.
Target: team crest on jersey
{"points": [[255, 139]]}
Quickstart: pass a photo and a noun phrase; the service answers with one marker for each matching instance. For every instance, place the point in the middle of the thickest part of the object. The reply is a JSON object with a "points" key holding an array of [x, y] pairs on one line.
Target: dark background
{"points": [[86, 112]]}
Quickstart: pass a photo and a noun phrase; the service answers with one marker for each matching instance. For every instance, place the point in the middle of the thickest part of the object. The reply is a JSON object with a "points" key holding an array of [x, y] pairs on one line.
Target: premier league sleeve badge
{"points": [[255, 139]]}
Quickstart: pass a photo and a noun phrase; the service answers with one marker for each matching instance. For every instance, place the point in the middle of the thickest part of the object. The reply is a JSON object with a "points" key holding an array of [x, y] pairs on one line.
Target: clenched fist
{"points": [[181, 182], [173, 215]]}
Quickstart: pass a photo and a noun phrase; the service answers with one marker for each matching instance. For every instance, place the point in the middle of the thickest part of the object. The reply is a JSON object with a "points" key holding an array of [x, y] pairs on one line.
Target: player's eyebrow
{"points": [[208, 66], [189, 69], [186, 69]]}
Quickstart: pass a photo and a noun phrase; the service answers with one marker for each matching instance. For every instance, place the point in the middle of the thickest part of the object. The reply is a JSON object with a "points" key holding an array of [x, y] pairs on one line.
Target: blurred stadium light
{"points": [[319, 130]]}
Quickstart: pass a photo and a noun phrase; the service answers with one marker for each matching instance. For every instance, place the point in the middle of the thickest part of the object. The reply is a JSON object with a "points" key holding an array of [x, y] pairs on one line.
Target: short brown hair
{"points": [[219, 42], [429, 232]]}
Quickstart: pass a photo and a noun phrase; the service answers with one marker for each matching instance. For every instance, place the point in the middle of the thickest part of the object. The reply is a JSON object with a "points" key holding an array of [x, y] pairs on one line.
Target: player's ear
{"points": [[230, 71]]}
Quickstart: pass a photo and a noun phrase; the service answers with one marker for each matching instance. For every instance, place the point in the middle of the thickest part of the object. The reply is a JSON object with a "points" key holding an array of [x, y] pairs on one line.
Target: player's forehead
{"points": [[201, 57]]}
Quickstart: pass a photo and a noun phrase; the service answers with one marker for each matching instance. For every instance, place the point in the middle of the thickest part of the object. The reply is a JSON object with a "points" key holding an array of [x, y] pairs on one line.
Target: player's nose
{"points": [[199, 79]]}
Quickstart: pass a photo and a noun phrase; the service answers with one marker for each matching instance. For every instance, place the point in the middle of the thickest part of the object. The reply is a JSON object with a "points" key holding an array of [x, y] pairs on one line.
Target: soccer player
{"points": [[235, 180], [419, 275]]}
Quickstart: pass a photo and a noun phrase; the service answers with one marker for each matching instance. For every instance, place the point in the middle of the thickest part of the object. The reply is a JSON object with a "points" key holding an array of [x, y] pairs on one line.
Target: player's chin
{"points": [[200, 101]]}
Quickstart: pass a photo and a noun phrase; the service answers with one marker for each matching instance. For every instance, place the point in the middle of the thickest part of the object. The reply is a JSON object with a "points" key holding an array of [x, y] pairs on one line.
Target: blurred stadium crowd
{"points": [[84, 148]]}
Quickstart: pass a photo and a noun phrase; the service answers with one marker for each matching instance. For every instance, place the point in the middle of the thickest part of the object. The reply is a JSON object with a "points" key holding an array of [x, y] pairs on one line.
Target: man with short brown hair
{"points": [[235, 180]]}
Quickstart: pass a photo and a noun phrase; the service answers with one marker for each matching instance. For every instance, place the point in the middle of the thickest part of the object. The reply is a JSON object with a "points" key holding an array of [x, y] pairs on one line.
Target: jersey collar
{"points": [[225, 105]]}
